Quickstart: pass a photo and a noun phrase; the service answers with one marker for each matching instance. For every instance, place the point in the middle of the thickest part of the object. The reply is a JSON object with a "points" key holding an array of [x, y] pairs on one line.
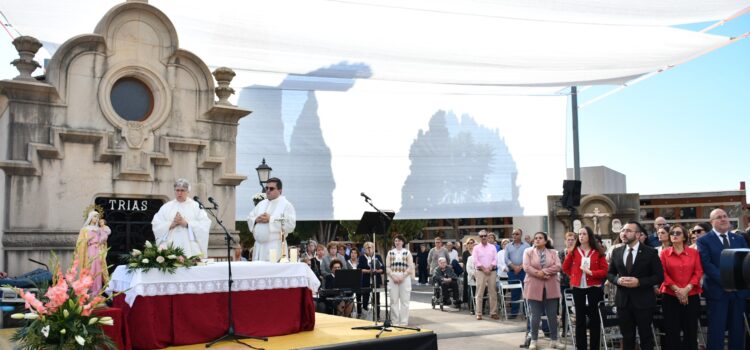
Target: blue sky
{"points": [[683, 130]]}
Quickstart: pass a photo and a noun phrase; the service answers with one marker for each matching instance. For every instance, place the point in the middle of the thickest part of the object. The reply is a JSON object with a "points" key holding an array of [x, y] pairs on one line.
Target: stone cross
{"points": [[596, 215]]}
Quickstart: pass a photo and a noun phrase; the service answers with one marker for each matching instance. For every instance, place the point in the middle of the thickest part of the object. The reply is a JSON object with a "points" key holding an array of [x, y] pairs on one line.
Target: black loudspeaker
{"points": [[571, 193]]}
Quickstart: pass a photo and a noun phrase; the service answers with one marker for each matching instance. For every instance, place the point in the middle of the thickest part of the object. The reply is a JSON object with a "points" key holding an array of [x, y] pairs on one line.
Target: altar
{"points": [[190, 306]]}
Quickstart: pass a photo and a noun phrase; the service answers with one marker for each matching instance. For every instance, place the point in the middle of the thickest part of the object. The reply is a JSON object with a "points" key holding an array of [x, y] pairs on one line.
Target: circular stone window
{"points": [[132, 99]]}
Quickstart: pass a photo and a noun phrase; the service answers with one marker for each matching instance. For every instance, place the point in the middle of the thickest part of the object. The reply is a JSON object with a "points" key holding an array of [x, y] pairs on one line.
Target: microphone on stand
{"points": [[198, 200], [366, 197], [216, 205]]}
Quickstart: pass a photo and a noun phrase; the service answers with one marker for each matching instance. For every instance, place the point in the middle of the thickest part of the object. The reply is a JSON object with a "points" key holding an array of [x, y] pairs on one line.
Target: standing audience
{"points": [[586, 263], [680, 290], [423, 265], [332, 255], [635, 269], [570, 243], [514, 261], [502, 268], [399, 266], [542, 266], [725, 308], [372, 267], [436, 252], [663, 235], [653, 239], [485, 262], [465, 261]]}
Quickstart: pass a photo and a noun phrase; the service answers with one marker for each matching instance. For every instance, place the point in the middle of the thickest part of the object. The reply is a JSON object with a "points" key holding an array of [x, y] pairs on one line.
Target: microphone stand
{"points": [[387, 325], [230, 335]]}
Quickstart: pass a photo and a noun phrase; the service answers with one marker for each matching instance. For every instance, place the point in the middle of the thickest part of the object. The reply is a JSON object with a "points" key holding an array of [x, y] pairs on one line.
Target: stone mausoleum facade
{"points": [[117, 117]]}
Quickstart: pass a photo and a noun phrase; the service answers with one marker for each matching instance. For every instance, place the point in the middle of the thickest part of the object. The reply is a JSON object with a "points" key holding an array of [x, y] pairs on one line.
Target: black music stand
{"points": [[375, 223]]}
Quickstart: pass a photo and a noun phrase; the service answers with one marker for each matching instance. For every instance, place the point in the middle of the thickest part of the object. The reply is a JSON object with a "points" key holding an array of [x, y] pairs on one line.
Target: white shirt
{"points": [[726, 234], [453, 254], [635, 252], [502, 268]]}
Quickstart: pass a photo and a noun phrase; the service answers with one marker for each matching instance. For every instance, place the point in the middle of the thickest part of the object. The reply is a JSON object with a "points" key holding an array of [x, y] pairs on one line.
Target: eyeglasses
{"points": [[699, 230], [482, 236], [676, 233], [270, 188]]}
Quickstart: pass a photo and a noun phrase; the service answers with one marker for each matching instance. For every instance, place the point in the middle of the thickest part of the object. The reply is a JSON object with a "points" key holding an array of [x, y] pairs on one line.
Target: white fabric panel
{"points": [[298, 36], [639, 12], [422, 155], [212, 278]]}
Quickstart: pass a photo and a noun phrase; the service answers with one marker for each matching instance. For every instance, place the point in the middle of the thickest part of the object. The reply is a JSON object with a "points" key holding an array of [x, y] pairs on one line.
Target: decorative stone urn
{"points": [[27, 46], [224, 76]]}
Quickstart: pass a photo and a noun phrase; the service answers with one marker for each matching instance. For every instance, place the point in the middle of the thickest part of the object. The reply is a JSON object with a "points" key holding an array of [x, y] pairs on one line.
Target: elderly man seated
{"points": [[447, 279]]}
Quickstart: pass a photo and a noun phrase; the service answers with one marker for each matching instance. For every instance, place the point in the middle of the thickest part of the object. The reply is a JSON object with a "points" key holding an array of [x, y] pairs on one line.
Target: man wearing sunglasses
{"points": [[271, 221]]}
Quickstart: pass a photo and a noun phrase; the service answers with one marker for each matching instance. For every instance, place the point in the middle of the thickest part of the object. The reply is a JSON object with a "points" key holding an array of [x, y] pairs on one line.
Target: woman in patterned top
{"points": [[400, 268]]}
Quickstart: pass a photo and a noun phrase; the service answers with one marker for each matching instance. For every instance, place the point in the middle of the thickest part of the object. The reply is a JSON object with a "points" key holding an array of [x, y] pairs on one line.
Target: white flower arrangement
{"points": [[258, 197]]}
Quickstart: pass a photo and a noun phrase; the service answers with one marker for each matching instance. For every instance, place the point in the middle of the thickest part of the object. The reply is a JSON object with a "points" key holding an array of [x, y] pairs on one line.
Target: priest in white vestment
{"points": [[182, 222], [267, 220]]}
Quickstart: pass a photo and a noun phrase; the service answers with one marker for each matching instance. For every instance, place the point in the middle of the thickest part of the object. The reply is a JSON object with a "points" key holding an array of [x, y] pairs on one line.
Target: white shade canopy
{"points": [[473, 45]]}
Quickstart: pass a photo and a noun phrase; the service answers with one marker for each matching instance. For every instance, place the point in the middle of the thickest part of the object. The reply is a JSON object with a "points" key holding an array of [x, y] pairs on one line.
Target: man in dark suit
{"points": [[653, 239], [635, 269], [724, 308]]}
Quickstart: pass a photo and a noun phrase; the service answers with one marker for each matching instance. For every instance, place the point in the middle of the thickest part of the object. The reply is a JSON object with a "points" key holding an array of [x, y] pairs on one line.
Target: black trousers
{"points": [[588, 311], [630, 319], [681, 318], [453, 286]]}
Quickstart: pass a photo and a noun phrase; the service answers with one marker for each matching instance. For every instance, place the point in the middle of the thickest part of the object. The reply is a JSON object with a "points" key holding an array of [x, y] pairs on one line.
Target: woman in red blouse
{"points": [[681, 287], [587, 258]]}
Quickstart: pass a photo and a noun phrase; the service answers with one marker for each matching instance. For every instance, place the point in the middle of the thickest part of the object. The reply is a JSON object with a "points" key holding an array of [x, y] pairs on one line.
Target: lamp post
{"points": [[264, 173]]}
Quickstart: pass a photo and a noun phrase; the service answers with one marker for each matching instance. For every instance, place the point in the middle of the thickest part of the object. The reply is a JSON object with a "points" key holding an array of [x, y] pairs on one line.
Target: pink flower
{"points": [[88, 308], [70, 276], [32, 302], [58, 294], [82, 285], [181, 259]]}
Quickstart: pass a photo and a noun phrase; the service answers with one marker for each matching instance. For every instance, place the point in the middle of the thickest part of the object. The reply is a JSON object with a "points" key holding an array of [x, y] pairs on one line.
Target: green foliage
{"points": [[408, 228], [61, 315], [163, 258], [246, 237]]}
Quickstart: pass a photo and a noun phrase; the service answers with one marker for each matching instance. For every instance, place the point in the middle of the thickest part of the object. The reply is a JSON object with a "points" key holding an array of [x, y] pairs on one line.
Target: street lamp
{"points": [[264, 173]]}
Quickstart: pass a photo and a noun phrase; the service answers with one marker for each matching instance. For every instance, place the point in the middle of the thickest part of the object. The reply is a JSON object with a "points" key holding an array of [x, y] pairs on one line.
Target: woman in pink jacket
{"points": [[542, 287], [588, 259]]}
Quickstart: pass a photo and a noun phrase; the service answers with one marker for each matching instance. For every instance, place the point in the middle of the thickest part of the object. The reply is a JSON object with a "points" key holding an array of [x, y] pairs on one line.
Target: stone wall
{"points": [[64, 143]]}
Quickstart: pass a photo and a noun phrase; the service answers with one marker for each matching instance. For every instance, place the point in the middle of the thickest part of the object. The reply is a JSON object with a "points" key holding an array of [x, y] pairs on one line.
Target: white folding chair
{"points": [[569, 304], [506, 301], [610, 332]]}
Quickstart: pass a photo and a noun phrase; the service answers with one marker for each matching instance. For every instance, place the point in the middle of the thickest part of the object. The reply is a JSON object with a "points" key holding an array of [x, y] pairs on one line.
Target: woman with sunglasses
{"points": [[681, 288], [586, 264], [697, 232]]}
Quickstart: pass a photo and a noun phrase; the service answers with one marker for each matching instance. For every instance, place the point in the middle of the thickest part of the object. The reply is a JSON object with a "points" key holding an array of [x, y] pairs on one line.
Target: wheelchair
{"points": [[437, 295]]}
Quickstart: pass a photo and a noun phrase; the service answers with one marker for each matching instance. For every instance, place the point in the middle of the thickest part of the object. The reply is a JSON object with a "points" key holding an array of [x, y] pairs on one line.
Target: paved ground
{"points": [[457, 328]]}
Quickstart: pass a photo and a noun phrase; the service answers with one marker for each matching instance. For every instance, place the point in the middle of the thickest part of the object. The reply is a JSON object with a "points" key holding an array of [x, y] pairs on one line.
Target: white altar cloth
{"points": [[212, 278]]}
